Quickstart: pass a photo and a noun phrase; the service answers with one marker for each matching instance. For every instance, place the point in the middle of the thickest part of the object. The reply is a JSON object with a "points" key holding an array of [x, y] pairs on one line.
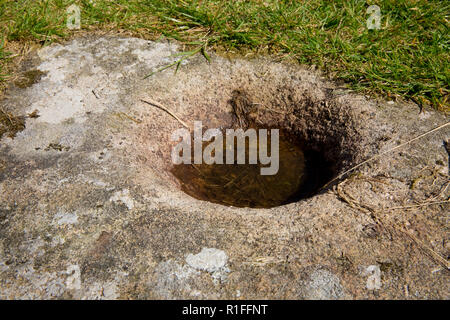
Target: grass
{"points": [[407, 57]]}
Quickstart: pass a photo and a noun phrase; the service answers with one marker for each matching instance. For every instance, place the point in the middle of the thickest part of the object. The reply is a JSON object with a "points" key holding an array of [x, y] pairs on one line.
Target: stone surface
{"points": [[323, 285], [89, 209], [209, 259]]}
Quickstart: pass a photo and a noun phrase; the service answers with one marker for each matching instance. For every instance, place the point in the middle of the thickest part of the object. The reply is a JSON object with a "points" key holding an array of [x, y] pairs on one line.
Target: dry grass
{"points": [[391, 228]]}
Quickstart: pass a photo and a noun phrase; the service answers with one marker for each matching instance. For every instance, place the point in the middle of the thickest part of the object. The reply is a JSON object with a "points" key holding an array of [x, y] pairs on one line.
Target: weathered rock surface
{"points": [[88, 209]]}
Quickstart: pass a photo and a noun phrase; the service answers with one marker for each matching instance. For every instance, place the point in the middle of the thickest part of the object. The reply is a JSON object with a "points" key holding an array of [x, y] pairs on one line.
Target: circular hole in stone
{"points": [[301, 172], [310, 155]]}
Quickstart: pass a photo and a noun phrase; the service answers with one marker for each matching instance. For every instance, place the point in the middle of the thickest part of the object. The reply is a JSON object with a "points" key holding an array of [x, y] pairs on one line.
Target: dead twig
{"points": [[376, 216], [386, 152], [95, 94], [417, 205], [166, 110], [427, 250], [129, 117]]}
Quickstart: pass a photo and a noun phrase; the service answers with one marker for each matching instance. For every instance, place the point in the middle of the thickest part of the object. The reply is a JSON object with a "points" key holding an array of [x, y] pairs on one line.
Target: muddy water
{"points": [[242, 185]]}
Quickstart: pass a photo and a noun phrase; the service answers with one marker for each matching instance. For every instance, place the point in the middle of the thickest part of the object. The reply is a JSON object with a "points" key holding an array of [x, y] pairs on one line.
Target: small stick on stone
{"points": [[95, 94], [417, 205], [433, 254], [166, 110], [386, 152], [376, 216]]}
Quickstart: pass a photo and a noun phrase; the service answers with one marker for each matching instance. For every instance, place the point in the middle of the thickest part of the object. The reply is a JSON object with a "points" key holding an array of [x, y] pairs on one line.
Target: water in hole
{"points": [[242, 185]]}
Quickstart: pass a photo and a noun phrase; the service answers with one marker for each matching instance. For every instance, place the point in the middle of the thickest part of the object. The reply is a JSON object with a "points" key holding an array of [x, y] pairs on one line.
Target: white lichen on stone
{"points": [[172, 278], [124, 197], [101, 291], [73, 281], [210, 260], [65, 218], [323, 285]]}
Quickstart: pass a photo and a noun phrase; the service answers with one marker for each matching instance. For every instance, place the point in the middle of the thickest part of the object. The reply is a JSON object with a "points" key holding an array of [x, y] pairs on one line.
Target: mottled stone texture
{"points": [[89, 210]]}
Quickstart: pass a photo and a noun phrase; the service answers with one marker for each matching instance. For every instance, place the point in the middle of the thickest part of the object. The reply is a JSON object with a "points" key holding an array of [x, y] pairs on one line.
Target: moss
{"points": [[57, 147], [10, 124], [391, 268], [29, 78], [344, 262]]}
